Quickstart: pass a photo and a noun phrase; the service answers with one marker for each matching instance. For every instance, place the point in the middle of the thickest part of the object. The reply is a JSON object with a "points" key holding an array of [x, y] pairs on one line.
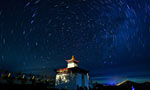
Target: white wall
{"points": [[71, 81], [65, 81], [86, 78], [79, 80], [71, 65]]}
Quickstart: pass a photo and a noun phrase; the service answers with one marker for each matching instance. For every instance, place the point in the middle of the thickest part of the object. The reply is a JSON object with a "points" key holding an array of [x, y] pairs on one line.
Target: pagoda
{"points": [[72, 77]]}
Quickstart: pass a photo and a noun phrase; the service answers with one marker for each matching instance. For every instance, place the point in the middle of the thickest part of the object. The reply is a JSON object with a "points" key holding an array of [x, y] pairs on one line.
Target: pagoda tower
{"points": [[72, 77]]}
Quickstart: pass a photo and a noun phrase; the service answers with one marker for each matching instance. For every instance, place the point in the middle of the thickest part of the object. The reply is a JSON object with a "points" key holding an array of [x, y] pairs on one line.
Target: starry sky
{"points": [[110, 38]]}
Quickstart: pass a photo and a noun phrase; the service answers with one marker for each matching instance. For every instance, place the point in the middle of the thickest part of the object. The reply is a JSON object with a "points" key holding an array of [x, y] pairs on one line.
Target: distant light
{"points": [[132, 88], [9, 74], [23, 76], [111, 84], [33, 77]]}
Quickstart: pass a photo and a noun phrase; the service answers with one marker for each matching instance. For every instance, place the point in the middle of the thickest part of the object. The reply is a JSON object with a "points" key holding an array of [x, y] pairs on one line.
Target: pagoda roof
{"points": [[73, 70], [72, 60]]}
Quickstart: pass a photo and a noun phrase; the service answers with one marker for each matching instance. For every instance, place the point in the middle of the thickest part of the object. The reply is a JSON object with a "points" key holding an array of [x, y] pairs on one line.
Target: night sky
{"points": [[110, 38]]}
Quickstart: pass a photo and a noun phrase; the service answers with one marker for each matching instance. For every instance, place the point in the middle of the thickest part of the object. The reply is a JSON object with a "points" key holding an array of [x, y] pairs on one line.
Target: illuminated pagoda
{"points": [[72, 77]]}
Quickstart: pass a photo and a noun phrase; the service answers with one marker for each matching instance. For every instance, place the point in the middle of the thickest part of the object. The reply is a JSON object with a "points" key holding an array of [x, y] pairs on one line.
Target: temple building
{"points": [[72, 77]]}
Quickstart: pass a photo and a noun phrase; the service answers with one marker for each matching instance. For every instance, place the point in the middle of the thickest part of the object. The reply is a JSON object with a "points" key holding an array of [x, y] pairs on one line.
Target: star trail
{"points": [[110, 38]]}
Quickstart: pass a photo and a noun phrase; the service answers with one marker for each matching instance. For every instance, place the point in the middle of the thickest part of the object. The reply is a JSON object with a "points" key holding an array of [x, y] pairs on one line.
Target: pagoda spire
{"points": [[72, 58]]}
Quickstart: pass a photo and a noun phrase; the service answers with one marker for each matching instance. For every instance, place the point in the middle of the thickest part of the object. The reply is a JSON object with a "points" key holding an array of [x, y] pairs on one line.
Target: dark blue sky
{"points": [[110, 38]]}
